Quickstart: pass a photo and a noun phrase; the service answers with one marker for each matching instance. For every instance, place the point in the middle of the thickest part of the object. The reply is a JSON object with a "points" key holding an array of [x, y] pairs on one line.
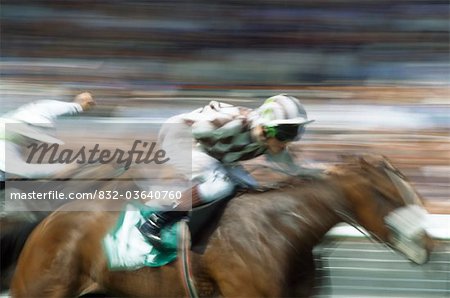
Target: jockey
{"points": [[224, 135], [35, 122]]}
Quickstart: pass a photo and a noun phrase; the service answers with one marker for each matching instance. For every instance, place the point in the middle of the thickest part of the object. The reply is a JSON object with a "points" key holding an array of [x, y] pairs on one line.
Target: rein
{"points": [[185, 264], [371, 236]]}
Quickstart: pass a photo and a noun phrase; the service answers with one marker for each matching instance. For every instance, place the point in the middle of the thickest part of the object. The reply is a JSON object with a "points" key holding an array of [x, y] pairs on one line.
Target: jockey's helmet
{"points": [[283, 117]]}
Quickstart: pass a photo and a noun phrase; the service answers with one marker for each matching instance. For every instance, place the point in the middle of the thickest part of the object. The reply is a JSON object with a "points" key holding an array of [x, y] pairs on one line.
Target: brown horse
{"points": [[262, 245], [15, 227]]}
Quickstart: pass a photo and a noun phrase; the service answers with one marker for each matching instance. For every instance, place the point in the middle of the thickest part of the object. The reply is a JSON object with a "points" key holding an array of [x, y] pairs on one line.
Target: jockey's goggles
{"points": [[284, 132]]}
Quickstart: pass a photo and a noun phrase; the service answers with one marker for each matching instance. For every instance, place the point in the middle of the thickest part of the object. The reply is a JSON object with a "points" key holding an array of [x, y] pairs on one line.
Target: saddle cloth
{"points": [[126, 248]]}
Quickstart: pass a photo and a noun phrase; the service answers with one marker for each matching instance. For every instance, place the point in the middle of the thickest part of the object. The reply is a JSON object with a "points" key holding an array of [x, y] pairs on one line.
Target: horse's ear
{"points": [[373, 160], [387, 163]]}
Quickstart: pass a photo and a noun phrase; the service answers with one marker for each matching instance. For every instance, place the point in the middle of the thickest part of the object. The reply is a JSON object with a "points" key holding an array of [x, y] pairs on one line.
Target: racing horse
{"points": [[258, 249], [14, 230]]}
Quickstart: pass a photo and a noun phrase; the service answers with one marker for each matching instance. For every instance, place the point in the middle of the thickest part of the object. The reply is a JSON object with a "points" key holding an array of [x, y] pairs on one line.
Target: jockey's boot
{"points": [[151, 228]]}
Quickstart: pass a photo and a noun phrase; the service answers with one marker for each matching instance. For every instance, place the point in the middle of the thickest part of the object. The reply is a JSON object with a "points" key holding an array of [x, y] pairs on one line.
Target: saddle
{"points": [[205, 218]]}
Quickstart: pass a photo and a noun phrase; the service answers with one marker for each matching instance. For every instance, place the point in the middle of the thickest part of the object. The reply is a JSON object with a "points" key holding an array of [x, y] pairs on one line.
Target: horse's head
{"points": [[386, 205]]}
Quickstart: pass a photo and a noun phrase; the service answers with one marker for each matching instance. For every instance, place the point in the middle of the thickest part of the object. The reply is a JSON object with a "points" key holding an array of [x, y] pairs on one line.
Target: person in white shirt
{"points": [[223, 135], [35, 122]]}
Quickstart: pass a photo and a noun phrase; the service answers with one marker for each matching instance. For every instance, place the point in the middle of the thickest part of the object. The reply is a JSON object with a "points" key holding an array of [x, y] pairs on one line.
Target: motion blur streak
{"points": [[373, 74]]}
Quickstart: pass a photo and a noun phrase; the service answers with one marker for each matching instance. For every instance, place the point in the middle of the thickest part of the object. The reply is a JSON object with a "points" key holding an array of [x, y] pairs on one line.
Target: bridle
{"points": [[406, 224]]}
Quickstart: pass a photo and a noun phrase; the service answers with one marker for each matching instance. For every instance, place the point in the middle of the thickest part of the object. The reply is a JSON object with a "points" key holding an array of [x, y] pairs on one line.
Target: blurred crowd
{"points": [[149, 43]]}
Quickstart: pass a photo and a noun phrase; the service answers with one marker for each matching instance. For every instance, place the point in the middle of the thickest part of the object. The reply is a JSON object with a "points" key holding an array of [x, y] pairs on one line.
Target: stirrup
{"points": [[155, 241], [151, 234]]}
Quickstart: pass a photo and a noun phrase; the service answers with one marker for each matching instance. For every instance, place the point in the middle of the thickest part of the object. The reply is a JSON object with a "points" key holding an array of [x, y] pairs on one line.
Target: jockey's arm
{"points": [[55, 109], [59, 108], [45, 112], [284, 162]]}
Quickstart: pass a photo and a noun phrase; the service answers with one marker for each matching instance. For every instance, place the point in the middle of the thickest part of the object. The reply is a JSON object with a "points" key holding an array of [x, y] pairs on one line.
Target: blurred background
{"points": [[374, 74]]}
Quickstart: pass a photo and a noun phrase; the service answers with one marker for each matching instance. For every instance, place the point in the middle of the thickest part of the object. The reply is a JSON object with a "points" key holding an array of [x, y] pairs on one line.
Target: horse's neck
{"points": [[274, 232], [316, 209], [289, 221]]}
